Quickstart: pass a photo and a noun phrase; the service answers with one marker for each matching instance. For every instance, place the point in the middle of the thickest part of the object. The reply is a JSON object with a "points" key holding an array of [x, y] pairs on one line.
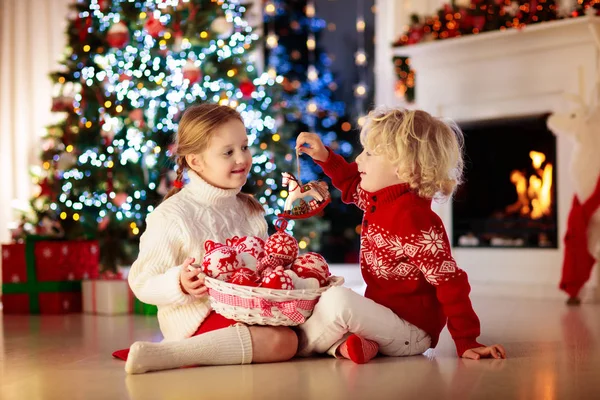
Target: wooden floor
{"points": [[553, 353]]}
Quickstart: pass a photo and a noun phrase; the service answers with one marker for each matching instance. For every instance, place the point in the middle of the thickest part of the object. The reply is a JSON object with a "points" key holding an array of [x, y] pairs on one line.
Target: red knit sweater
{"points": [[405, 258]]}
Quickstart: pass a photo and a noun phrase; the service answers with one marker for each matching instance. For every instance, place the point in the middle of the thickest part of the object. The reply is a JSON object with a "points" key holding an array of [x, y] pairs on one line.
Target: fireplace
{"points": [[508, 198], [489, 79]]}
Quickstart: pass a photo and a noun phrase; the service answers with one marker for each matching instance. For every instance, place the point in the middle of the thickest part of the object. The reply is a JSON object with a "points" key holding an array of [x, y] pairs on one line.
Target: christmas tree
{"points": [[293, 50], [130, 70]]}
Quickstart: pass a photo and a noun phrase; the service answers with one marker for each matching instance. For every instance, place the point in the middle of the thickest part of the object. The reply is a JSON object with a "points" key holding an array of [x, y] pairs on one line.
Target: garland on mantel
{"points": [[468, 17]]}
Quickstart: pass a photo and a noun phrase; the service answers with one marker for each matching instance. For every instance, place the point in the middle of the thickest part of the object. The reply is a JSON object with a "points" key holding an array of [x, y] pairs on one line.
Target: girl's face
{"points": [[227, 160], [376, 172]]}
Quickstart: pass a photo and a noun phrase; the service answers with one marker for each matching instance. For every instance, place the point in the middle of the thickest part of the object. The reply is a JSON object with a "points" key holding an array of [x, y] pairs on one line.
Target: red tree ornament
{"points": [[247, 88], [191, 72], [153, 26], [118, 35]]}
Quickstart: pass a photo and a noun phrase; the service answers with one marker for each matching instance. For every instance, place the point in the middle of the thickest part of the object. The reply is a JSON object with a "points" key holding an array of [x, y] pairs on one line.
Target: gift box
{"points": [[143, 308], [109, 295], [43, 276]]}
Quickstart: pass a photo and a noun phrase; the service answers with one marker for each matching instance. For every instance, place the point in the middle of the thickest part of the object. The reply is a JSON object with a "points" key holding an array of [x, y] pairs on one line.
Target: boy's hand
{"points": [[315, 147], [189, 281], [495, 351]]}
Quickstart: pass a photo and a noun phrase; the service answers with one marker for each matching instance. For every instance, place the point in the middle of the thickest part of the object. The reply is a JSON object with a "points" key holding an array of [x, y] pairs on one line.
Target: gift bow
{"points": [[111, 276], [287, 308]]}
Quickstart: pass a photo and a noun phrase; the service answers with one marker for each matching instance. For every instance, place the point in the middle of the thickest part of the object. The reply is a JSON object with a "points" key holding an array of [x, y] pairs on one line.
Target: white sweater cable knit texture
{"points": [[177, 229]]}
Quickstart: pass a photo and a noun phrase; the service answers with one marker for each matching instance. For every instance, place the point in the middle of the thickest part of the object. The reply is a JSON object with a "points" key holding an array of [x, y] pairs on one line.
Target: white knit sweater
{"points": [[177, 229]]}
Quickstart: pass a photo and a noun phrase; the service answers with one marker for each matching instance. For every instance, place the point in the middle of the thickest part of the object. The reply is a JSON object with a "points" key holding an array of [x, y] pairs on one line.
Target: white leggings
{"points": [[341, 312]]}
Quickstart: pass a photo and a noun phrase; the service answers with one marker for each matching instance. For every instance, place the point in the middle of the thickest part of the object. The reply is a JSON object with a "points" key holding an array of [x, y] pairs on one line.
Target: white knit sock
{"points": [[232, 345]]}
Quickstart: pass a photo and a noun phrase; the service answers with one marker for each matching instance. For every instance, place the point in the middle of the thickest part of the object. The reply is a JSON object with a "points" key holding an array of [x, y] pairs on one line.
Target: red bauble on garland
{"points": [[118, 35], [247, 88]]}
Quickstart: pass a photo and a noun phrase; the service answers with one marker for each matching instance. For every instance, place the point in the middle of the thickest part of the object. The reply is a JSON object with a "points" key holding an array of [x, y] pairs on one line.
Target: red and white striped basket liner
{"points": [[262, 306]]}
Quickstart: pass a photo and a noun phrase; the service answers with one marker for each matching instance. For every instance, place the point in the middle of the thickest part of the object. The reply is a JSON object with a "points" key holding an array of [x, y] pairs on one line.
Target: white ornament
{"points": [[302, 283], [248, 261], [222, 27]]}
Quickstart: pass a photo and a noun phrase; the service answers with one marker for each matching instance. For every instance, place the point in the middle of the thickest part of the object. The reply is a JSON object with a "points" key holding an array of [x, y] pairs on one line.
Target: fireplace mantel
{"points": [[504, 74], [536, 37]]}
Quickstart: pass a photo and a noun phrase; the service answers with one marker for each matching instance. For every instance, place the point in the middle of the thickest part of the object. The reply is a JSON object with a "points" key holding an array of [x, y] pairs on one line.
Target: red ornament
{"points": [[220, 261], [191, 72], [153, 26], [252, 245], [312, 265], [281, 249], [278, 279], [244, 277], [137, 116], [247, 88], [118, 35], [120, 199], [104, 5]]}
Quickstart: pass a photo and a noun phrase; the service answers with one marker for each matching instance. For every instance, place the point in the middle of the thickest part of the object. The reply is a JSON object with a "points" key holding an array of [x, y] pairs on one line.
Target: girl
{"points": [[212, 145], [414, 286]]}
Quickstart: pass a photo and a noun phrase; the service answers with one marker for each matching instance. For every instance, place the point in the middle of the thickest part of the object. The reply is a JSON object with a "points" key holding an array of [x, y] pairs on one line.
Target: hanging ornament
{"points": [[62, 103], [222, 27], [120, 199], [118, 35], [45, 188], [83, 25], [177, 41], [312, 197], [103, 224], [137, 117], [153, 26], [191, 72], [247, 88], [105, 5]]}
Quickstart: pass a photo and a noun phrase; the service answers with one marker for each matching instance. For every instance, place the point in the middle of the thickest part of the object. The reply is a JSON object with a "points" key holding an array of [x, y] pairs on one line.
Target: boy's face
{"points": [[227, 160], [376, 172]]}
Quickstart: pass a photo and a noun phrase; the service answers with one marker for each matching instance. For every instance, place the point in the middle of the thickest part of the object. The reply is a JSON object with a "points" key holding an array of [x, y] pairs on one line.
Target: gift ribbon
{"points": [[288, 308]]}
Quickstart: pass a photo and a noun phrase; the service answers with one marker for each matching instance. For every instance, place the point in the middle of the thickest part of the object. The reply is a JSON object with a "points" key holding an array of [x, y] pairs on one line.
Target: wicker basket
{"points": [[262, 306]]}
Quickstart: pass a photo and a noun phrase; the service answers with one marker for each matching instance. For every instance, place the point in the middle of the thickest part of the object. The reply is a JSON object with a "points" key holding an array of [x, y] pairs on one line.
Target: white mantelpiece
{"points": [[501, 74]]}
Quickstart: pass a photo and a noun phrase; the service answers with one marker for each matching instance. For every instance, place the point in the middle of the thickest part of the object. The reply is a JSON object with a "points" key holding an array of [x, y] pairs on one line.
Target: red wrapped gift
{"points": [[44, 276]]}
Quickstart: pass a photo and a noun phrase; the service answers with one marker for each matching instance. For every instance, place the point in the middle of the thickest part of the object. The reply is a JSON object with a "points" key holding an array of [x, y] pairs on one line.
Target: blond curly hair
{"points": [[426, 150]]}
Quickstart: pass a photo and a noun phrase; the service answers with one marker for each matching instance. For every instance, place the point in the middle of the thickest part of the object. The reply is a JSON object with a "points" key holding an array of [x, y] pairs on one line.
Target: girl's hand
{"points": [[189, 281], [316, 149], [495, 351]]}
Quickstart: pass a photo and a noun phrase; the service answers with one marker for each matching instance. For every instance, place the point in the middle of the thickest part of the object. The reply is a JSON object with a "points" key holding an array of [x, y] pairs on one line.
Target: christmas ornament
{"points": [[278, 279], [191, 72], [252, 245], [222, 27], [281, 249], [120, 199], [247, 88], [104, 5], [312, 265], [244, 277], [302, 283], [137, 117], [220, 261], [317, 191], [153, 26], [62, 103], [118, 35]]}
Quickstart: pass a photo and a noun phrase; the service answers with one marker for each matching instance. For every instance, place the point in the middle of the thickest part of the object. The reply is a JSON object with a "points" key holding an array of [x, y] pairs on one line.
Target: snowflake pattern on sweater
{"points": [[387, 255]]}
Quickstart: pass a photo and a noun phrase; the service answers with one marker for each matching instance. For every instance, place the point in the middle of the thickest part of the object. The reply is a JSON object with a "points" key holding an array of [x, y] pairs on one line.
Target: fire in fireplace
{"points": [[508, 198]]}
